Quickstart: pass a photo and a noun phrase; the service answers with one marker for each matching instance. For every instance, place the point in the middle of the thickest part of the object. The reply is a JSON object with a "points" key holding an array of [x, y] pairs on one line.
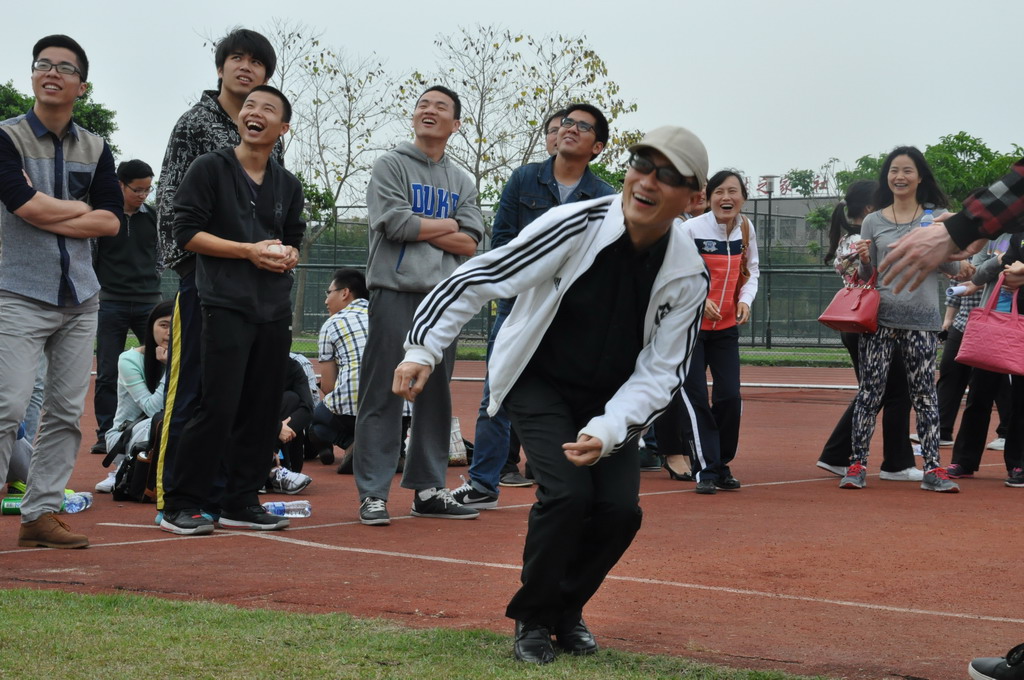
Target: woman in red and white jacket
{"points": [[718, 235]]}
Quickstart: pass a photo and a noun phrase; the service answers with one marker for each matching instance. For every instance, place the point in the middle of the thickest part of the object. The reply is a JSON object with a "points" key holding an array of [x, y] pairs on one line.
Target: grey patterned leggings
{"points": [[876, 351]]}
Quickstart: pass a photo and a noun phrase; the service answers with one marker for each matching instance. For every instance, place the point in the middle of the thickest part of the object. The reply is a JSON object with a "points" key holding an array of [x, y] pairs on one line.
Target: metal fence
{"points": [[784, 324]]}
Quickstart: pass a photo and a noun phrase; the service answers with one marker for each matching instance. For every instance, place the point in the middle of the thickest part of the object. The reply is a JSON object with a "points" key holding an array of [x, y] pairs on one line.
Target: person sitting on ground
{"points": [[342, 338], [296, 413], [140, 389]]}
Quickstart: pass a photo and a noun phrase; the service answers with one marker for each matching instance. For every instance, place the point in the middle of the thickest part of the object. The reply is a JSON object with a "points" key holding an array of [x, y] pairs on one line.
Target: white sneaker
{"points": [[911, 474], [997, 444], [283, 480], [837, 470], [107, 485]]}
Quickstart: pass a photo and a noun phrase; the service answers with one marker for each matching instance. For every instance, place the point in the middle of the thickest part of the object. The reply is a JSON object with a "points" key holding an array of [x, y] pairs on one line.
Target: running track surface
{"points": [[790, 573]]}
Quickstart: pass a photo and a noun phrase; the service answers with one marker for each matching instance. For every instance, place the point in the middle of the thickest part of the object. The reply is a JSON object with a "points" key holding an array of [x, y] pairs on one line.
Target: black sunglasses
{"points": [[568, 122], [666, 174]]}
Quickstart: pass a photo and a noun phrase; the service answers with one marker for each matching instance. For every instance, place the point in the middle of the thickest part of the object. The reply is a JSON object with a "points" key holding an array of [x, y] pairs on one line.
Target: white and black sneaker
{"points": [[283, 480], [440, 504], [468, 497], [374, 511], [253, 517]]}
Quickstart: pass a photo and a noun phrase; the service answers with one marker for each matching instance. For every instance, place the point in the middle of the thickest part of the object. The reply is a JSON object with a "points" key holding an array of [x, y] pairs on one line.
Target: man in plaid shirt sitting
{"points": [[342, 339]]}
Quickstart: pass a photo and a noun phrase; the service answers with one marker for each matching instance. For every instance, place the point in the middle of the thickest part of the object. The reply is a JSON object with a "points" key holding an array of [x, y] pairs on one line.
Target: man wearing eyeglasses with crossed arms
{"points": [[126, 266], [58, 188], [610, 299]]}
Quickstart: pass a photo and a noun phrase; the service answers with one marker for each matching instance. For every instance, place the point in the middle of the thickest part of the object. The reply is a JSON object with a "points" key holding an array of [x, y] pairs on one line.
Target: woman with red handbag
{"points": [[985, 385], [909, 320], [898, 454]]}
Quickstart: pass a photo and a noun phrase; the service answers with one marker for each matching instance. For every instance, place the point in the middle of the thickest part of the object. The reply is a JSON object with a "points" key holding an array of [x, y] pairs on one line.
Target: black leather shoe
{"points": [[728, 483], [577, 639], [706, 487], [533, 644]]}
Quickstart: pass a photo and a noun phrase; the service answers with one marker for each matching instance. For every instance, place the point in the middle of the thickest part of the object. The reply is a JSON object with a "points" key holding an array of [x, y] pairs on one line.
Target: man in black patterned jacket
{"points": [[244, 60]]}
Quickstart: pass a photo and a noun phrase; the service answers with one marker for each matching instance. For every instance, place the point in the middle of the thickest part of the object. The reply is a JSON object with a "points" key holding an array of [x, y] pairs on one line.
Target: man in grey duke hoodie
{"points": [[424, 222]]}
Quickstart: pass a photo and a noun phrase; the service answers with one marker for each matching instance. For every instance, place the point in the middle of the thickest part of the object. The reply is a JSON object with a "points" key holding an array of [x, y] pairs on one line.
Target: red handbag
{"points": [[994, 341], [854, 309]]}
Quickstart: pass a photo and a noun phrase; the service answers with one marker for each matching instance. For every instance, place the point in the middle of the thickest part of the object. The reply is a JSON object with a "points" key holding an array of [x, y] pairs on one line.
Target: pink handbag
{"points": [[994, 341], [854, 309]]}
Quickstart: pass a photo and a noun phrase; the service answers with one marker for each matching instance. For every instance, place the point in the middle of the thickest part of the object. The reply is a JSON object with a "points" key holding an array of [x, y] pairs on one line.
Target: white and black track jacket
{"points": [[539, 266]]}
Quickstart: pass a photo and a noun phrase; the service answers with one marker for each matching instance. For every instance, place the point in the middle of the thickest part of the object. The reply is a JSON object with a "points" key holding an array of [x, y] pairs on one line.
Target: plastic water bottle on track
{"points": [[289, 508], [928, 219], [77, 502]]}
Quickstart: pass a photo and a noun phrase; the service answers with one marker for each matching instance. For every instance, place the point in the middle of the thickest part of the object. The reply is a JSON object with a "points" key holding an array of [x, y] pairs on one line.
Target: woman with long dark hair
{"points": [[898, 454], [140, 387], [909, 320]]}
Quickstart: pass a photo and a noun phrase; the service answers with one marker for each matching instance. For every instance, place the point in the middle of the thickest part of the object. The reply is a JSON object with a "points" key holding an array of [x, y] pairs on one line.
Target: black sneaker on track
{"points": [[1009, 667], [186, 523], [253, 517], [468, 497], [374, 511], [440, 504]]}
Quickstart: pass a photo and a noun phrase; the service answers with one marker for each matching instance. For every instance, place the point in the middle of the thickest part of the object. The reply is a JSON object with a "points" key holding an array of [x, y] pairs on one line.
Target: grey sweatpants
{"points": [[379, 420], [26, 330]]}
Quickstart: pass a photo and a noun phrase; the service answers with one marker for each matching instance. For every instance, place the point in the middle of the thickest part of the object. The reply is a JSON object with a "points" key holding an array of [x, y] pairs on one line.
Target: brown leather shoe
{"points": [[49, 531]]}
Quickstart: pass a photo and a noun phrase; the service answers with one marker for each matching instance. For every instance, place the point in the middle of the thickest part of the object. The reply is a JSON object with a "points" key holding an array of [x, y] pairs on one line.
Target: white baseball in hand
{"points": [[276, 249]]}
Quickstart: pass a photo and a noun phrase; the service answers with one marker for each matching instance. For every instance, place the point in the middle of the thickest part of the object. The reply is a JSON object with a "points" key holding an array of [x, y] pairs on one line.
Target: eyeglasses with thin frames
{"points": [[64, 68], [146, 191], [582, 126]]}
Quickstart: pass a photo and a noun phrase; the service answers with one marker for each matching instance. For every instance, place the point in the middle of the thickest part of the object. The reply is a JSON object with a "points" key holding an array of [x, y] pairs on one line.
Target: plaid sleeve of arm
{"points": [[997, 210]]}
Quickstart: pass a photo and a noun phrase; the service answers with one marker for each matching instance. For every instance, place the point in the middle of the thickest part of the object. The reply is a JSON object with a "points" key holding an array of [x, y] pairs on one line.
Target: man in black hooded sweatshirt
{"points": [[240, 211]]}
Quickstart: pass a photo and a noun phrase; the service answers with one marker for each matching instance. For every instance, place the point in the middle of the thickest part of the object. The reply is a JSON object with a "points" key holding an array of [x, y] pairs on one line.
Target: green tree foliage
{"points": [[963, 163], [866, 167], [90, 114], [610, 175]]}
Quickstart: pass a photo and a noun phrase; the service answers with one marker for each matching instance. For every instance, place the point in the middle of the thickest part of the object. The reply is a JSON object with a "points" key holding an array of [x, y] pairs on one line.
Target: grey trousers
{"points": [[379, 420], [27, 330]]}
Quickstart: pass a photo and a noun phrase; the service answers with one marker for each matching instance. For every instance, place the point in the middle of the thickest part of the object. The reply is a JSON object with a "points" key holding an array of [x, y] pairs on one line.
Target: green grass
{"points": [[66, 635], [819, 357]]}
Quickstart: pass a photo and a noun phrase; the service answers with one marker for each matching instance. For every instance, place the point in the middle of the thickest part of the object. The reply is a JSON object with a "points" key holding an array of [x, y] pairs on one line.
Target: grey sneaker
{"points": [[469, 497], [440, 504], [186, 523], [938, 480], [514, 479], [855, 477], [283, 480], [374, 511]]}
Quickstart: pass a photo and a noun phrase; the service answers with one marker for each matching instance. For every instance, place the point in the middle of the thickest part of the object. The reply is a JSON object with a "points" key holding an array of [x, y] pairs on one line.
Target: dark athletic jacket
{"points": [[215, 197]]}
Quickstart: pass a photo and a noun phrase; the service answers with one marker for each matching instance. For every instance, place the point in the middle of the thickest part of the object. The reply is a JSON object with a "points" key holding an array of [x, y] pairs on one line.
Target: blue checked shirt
{"points": [[342, 338]]}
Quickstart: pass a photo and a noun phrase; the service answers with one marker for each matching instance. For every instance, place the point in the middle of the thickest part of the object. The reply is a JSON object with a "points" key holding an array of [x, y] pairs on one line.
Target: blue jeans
{"points": [[115, 319], [490, 443]]}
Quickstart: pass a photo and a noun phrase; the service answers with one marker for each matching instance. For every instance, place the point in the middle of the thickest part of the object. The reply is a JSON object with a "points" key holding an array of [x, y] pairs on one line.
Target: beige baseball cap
{"points": [[681, 147]]}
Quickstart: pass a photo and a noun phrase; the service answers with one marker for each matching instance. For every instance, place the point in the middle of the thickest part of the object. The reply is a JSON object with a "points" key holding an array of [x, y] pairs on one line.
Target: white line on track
{"points": [[285, 538]]}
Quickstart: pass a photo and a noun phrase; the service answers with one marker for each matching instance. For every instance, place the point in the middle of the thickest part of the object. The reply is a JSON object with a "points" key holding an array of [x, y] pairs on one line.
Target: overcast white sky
{"points": [[768, 86]]}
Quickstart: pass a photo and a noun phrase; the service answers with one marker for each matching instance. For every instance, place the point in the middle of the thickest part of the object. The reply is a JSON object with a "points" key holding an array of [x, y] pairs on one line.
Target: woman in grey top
{"points": [[909, 320]]}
